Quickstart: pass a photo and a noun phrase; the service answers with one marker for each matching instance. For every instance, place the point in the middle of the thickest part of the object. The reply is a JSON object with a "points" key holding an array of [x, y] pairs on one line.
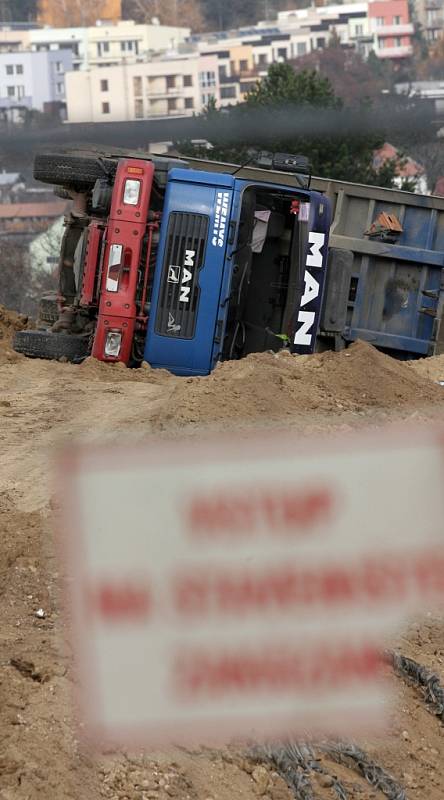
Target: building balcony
{"points": [[7, 103], [170, 92], [395, 30], [395, 52], [361, 37], [224, 79]]}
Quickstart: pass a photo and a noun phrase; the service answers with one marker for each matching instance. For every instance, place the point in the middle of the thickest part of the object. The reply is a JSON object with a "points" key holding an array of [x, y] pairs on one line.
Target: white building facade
{"points": [[108, 44], [165, 87], [34, 80]]}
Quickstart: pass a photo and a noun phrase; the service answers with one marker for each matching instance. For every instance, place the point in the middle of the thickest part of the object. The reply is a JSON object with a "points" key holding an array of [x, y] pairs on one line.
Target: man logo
{"points": [[173, 274], [187, 276], [306, 318]]}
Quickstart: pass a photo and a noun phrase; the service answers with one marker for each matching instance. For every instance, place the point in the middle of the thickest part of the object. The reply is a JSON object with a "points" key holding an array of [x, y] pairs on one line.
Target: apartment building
{"points": [[34, 80], [107, 44], [391, 28], [348, 21], [430, 15], [382, 26], [14, 37], [164, 87], [244, 60]]}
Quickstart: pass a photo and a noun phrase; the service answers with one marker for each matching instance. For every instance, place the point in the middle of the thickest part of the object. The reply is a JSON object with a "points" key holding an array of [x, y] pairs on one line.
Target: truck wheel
{"points": [[44, 344], [80, 172], [48, 309]]}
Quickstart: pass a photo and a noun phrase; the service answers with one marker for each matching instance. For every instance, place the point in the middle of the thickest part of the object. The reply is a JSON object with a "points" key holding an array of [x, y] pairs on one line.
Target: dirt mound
{"points": [[43, 403], [275, 386], [431, 368], [10, 322], [94, 370]]}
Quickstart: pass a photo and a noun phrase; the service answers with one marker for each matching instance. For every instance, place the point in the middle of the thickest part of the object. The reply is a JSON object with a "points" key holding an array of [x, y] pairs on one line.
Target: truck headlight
{"points": [[113, 343], [131, 192]]}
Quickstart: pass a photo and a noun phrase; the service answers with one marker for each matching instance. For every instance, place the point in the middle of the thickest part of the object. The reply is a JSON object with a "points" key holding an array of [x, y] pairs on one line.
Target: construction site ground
{"points": [[42, 404]]}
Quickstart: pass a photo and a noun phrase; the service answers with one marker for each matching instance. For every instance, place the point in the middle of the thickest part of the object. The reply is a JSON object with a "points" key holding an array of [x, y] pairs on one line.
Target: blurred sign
{"points": [[244, 587]]}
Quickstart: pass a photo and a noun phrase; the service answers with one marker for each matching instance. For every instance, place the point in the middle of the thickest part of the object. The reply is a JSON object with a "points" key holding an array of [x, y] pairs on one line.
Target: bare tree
{"points": [[21, 286], [77, 13], [182, 13]]}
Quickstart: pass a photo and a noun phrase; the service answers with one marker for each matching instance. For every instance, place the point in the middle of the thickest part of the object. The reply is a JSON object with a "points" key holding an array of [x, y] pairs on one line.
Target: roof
{"points": [[9, 178], [55, 208], [407, 167]]}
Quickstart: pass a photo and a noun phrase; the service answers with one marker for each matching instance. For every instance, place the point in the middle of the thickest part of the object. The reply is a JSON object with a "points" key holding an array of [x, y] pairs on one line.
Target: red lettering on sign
{"points": [[257, 510], [120, 602], [275, 668], [371, 581]]}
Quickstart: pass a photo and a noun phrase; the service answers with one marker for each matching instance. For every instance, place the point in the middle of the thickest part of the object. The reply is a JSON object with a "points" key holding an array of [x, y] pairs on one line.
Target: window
{"points": [[20, 92], [206, 98], [207, 79], [320, 42], [138, 108], [379, 21], [188, 79], [189, 102], [137, 85], [10, 91], [301, 48], [127, 47], [228, 92], [102, 47], [105, 108], [380, 42], [359, 30], [172, 104], [243, 65], [103, 86], [59, 66], [282, 53], [60, 87], [398, 41], [9, 69], [19, 69], [262, 60], [396, 20], [171, 81]]}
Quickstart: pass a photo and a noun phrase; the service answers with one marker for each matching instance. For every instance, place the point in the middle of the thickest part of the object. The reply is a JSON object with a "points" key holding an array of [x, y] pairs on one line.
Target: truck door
{"points": [[189, 272]]}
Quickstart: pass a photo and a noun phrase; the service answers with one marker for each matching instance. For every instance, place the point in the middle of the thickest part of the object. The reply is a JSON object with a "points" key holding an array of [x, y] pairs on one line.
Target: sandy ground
{"points": [[43, 404]]}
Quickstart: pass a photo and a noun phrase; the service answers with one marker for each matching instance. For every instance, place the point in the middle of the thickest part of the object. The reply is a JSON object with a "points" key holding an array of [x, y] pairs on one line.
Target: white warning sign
{"points": [[225, 588]]}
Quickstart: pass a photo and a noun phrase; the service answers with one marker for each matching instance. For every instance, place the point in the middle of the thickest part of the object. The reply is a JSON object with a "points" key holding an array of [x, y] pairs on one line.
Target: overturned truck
{"points": [[183, 263]]}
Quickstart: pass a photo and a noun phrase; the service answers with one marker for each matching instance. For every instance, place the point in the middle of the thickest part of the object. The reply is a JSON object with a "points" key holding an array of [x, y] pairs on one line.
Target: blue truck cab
{"points": [[240, 268]]}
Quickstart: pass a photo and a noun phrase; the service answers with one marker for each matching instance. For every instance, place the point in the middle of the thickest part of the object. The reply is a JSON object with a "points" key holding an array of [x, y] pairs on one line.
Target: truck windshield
{"points": [[266, 276]]}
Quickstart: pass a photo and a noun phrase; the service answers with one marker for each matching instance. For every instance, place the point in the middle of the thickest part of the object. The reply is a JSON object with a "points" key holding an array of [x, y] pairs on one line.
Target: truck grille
{"points": [[179, 289]]}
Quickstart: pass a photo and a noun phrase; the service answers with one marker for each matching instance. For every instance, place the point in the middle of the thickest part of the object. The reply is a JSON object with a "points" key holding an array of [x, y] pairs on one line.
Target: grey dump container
{"points": [[395, 297]]}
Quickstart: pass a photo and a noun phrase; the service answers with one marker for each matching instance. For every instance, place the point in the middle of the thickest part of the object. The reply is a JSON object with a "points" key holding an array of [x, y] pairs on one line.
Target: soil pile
{"points": [[43, 403], [431, 368], [10, 322], [275, 386]]}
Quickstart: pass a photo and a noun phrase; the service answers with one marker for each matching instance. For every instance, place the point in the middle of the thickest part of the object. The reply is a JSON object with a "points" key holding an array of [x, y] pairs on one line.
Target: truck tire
{"points": [[44, 344], [80, 172]]}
